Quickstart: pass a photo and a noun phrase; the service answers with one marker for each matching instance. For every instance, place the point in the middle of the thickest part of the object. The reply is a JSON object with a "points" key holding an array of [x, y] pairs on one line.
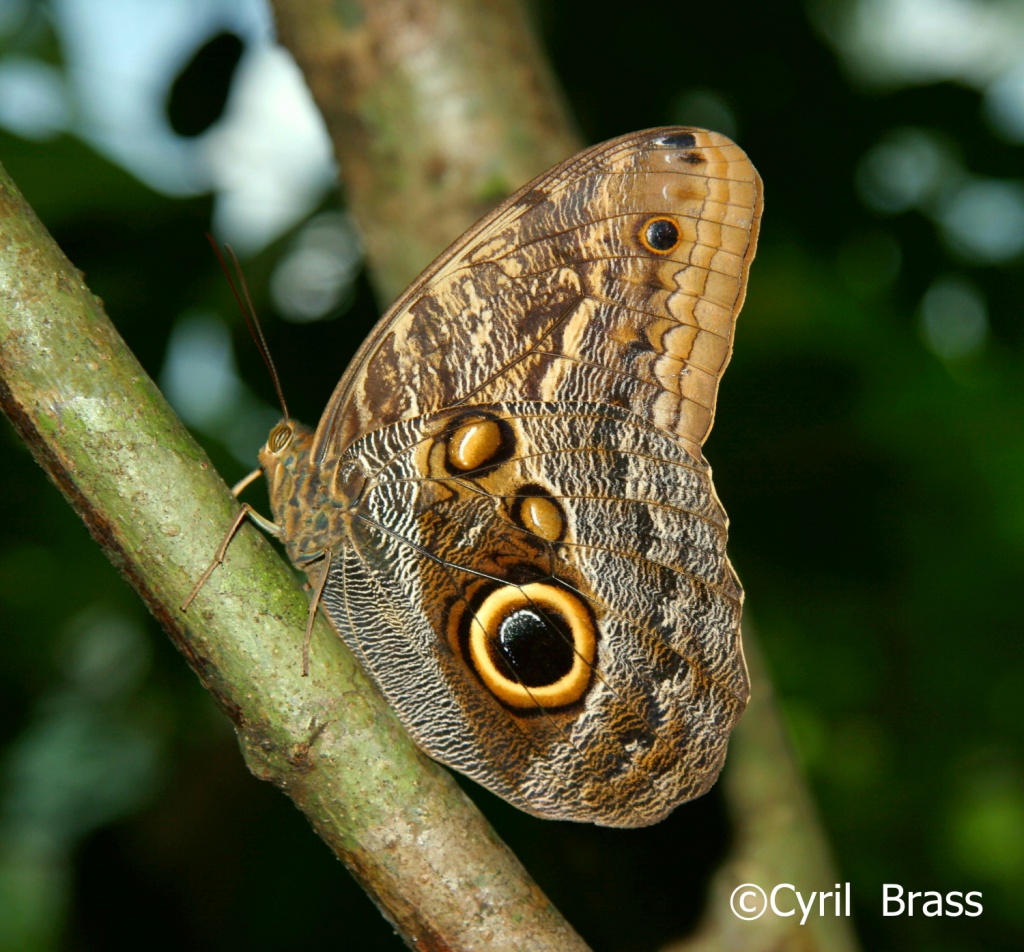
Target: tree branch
{"points": [[437, 109], [104, 434]]}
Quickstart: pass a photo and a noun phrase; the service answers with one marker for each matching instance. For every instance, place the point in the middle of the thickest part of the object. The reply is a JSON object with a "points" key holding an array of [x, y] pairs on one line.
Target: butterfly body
{"points": [[506, 500]]}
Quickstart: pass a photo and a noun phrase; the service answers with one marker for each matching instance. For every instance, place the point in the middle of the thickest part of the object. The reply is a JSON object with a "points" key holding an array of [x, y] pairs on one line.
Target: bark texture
{"points": [[104, 434]]}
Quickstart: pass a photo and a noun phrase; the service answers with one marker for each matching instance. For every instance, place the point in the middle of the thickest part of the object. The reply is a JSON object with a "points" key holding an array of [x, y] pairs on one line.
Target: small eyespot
{"points": [[660, 235], [677, 140], [279, 438], [476, 442], [536, 510], [348, 483]]}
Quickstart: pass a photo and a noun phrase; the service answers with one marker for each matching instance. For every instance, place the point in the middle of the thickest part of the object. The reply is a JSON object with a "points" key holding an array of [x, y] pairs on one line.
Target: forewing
{"points": [[616, 277]]}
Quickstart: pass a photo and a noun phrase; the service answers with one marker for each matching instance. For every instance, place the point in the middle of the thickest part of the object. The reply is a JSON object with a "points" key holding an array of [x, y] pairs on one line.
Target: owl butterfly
{"points": [[505, 509]]}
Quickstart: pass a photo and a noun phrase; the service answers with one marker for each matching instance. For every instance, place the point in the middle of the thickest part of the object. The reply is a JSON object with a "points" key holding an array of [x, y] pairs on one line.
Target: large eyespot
{"points": [[279, 438], [477, 441], [538, 512], [660, 235], [533, 645]]}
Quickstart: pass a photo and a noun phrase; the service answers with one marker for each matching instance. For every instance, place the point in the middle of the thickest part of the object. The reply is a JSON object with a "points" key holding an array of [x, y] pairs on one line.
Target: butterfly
{"points": [[505, 510]]}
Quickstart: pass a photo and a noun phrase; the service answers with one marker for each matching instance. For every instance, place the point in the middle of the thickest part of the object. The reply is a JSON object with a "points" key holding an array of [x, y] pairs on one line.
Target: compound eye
{"points": [[279, 438]]}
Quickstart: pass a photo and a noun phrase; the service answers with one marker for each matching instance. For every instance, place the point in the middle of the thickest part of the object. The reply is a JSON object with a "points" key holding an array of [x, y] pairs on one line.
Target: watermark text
{"points": [[750, 901]]}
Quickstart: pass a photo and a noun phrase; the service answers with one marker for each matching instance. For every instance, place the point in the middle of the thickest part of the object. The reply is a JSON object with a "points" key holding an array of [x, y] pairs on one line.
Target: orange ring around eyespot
{"points": [[651, 222], [497, 606]]}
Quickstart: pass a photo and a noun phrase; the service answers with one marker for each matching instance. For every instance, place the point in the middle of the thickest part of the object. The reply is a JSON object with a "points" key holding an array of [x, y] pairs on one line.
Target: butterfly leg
{"points": [[246, 512], [313, 605], [246, 481]]}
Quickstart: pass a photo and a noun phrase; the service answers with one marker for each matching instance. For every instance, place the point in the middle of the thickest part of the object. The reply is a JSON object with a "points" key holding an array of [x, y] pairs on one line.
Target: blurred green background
{"points": [[869, 448]]}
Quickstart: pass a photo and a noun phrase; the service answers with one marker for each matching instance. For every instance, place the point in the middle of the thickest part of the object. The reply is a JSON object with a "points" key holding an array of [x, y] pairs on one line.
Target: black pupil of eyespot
{"points": [[662, 234], [535, 649]]}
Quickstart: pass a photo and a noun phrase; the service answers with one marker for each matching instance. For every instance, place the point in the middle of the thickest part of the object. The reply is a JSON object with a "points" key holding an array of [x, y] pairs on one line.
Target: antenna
{"points": [[240, 290]]}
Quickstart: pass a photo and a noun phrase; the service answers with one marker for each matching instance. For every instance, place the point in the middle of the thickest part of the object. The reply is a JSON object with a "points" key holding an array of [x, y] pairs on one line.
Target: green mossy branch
{"points": [[106, 437]]}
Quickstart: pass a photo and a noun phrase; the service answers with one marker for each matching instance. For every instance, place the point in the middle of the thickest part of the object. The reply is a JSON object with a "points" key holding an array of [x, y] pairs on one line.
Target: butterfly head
{"points": [[287, 449], [285, 461]]}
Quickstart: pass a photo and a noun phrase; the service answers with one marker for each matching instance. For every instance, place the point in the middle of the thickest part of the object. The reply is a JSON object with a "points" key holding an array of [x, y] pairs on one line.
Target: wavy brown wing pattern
{"points": [[559, 294], [522, 541]]}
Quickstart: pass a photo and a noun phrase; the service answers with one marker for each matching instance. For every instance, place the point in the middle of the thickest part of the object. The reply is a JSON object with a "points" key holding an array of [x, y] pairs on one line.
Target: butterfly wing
{"points": [[614, 277], [560, 622], [527, 552]]}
